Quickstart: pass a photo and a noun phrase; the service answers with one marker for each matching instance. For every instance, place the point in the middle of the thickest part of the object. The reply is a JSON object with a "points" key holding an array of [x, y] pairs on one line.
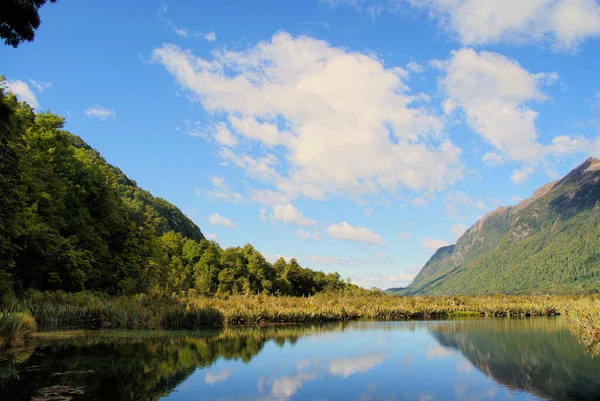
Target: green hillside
{"points": [[549, 243], [70, 221]]}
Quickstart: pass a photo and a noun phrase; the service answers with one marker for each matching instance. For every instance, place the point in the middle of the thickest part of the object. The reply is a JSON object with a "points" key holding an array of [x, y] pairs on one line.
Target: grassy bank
{"points": [[58, 310]]}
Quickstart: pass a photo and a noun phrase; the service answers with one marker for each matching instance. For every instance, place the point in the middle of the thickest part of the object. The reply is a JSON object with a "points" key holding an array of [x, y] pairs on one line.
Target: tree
{"points": [[19, 19]]}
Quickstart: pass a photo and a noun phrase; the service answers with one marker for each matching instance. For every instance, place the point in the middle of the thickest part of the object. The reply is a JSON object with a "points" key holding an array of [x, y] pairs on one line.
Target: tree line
{"points": [[70, 221]]}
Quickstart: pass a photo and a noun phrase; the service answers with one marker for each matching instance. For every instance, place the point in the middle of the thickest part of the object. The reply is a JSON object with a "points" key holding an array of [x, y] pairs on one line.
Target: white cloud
{"points": [[264, 132], [519, 176], [405, 237], [320, 104], [23, 92], [492, 90], [415, 67], [220, 192], [40, 86], [564, 23], [218, 220], [287, 386], [224, 136], [345, 232], [493, 159], [345, 367], [418, 202], [494, 93], [180, 30], [100, 112], [211, 377], [212, 237], [434, 244], [457, 201], [378, 280], [268, 197], [288, 213], [304, 234], [458, 229]]}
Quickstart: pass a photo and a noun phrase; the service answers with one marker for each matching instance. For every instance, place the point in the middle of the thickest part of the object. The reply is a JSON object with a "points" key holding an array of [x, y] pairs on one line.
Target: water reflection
{"points": [[539, 356], [474, 359]]}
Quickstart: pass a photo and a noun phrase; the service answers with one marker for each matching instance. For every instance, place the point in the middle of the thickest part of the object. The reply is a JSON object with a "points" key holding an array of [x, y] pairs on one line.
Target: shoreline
{"points": [[89, 311]]}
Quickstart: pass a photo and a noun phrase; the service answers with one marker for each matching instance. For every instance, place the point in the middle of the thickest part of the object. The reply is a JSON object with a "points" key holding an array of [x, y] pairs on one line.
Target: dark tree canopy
{"points": [[19, 19]]}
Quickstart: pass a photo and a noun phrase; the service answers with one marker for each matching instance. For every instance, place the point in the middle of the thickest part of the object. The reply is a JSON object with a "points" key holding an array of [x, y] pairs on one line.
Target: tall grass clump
{"points": [[586, 325], [15, 327]]}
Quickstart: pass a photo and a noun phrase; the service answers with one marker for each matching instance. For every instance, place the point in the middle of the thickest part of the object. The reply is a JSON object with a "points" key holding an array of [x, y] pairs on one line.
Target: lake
{"points": [[474, 359]]}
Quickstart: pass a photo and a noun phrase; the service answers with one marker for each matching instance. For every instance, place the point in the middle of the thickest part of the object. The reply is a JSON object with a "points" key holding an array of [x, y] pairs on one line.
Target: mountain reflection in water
{"points": [[520, 359]]}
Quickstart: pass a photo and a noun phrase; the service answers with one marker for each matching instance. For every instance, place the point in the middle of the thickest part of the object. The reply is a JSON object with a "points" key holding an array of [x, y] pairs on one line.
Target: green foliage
{"points": [[70, 221], [19, 19]]}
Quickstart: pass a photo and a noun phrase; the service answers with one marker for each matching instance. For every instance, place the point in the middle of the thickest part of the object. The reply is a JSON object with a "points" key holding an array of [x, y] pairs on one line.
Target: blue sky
{"points": [[357, 136]]}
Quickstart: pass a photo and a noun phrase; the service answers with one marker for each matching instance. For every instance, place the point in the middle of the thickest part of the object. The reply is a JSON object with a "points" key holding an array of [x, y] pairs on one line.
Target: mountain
{"points": [[70, 221], [549, 243]]}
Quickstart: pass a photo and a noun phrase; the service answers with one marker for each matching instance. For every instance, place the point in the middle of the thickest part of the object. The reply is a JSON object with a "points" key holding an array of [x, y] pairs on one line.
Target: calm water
{"points": [[513, 359]]}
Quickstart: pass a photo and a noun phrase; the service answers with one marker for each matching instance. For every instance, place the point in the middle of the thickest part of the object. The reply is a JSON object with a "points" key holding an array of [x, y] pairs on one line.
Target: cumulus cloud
{"points": [[23, 92], [564, 23], [382, 281], [100, 112], [287, 386], [415, 67], [345, 367], [224, 137], [494, 92], [434, 244], [215, 376], [457, 201], [418, 202], [220, 192], [345, 232], [218, 220], [343, 123], [493, 159], [405, 236], [288, 213], [304, 234]]}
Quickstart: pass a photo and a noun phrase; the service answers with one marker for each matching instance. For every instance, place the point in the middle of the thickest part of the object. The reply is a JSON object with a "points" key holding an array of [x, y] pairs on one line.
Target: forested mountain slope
{"points": [[70, 221], [549, 243]]}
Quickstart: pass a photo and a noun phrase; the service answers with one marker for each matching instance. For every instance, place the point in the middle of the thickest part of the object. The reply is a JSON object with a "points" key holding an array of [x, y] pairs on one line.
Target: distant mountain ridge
{"points": [[549, 243]]}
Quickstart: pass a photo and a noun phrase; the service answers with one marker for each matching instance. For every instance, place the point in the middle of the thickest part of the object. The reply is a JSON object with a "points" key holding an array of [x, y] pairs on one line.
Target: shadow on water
{"points": [[537, 355], [130, 365]]}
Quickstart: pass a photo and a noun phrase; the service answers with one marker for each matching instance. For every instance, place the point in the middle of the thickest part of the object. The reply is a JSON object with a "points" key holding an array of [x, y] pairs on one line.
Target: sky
{"points": [[357, 136]]}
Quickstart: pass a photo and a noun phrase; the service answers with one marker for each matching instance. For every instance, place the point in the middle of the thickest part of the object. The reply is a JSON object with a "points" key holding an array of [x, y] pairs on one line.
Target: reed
{"points": [[586, 324], [15, 327], [57, 310]]}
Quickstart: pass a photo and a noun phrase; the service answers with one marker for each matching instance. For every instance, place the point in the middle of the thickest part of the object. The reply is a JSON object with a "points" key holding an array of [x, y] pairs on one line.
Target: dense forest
{"points": [[70, 221], [549, 243]]}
